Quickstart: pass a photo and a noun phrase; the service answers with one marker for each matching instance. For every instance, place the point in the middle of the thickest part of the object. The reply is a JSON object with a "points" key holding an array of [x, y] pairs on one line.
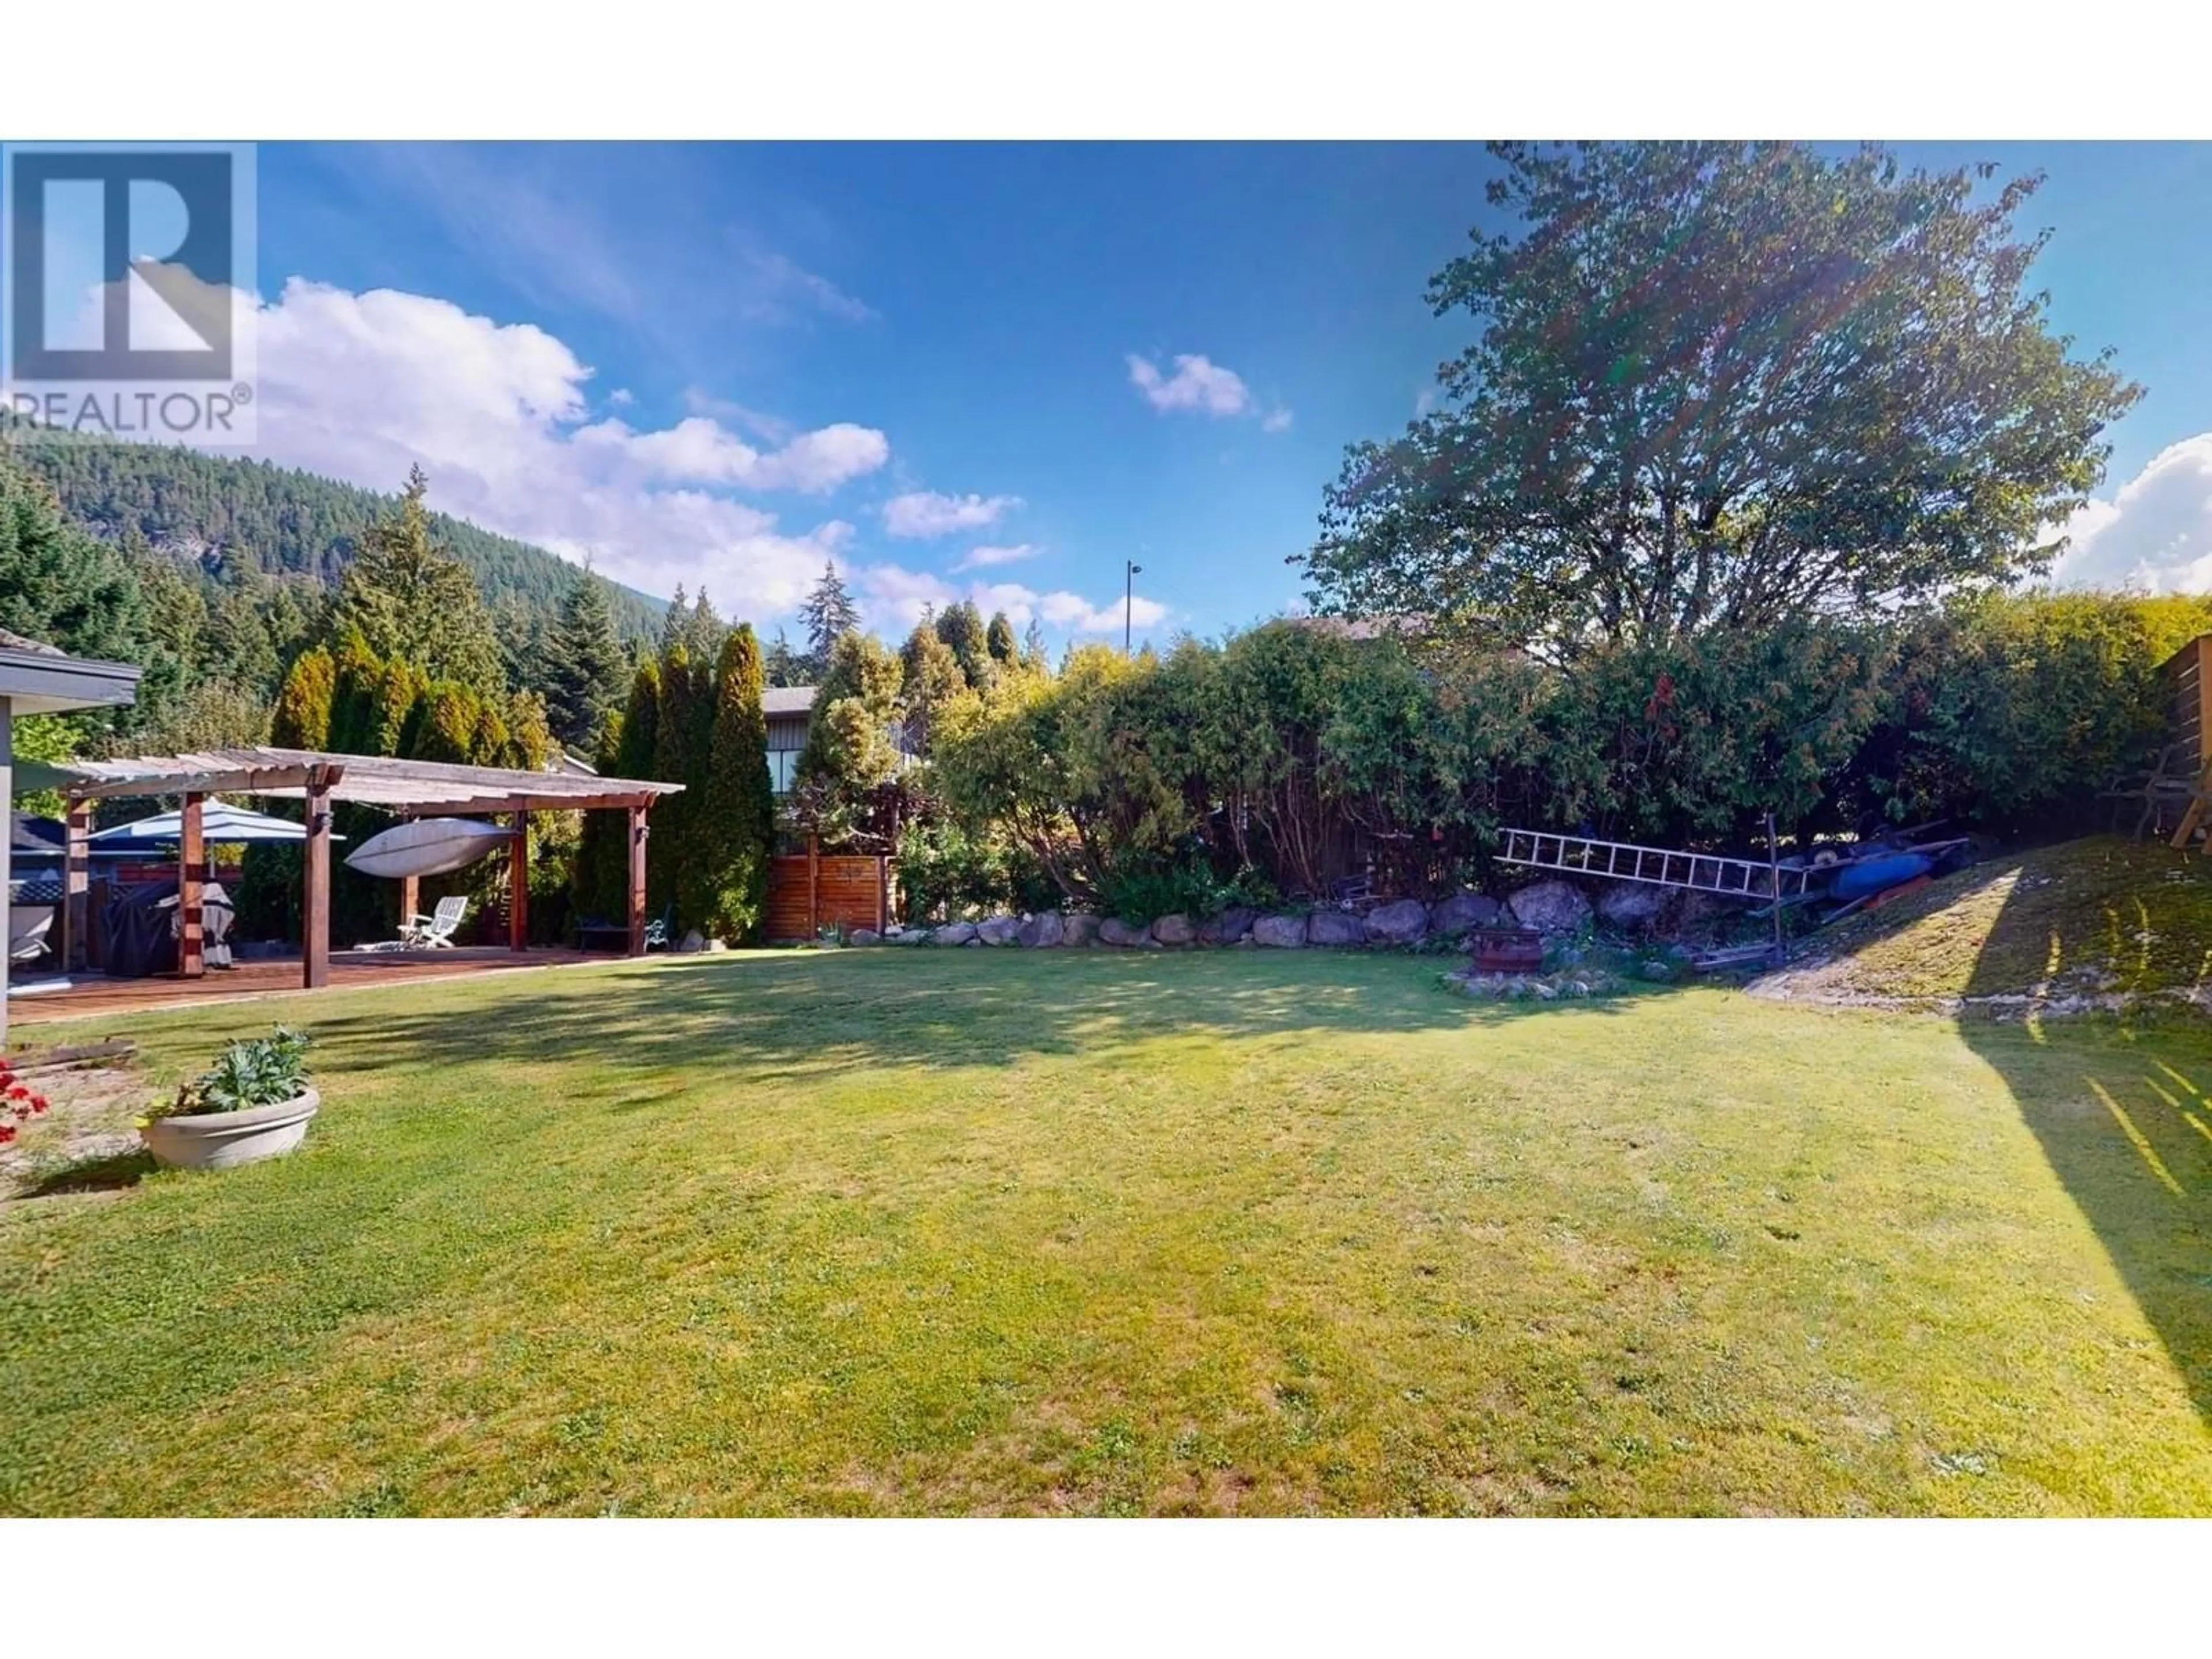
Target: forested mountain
{"points": [[227, 515]]}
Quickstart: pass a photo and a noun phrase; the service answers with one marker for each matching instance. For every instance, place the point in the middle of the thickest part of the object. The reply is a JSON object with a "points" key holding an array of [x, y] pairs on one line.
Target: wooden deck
{"points": [[91, 995]]}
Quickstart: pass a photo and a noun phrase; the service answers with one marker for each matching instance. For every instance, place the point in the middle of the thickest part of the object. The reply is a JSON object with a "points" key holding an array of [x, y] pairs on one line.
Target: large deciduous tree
{"points": [[1724, 384]]}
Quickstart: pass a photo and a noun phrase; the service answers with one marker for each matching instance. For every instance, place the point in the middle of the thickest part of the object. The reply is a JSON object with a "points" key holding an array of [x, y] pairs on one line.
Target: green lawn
{"points": [[961, 1231]]}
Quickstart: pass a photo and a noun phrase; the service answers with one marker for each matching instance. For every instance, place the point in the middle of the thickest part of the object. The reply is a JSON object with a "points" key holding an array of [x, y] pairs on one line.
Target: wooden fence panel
{"points": [[807, 894]]}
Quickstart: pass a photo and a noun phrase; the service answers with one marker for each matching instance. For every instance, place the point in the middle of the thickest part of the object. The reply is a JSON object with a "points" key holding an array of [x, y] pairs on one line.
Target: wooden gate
{"points": [[808, 891]]}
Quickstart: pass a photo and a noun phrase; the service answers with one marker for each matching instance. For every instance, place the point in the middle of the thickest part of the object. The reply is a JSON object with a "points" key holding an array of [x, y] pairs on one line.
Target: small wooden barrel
{"points": [[1508, 950]]}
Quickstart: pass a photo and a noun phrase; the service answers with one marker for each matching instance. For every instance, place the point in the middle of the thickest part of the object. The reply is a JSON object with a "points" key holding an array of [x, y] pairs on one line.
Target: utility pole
{"points": [[1128, 601]]}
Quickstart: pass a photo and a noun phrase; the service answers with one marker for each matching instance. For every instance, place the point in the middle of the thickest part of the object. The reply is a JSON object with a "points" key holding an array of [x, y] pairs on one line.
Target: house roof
{"points": [[38, 680], [787, 699]]}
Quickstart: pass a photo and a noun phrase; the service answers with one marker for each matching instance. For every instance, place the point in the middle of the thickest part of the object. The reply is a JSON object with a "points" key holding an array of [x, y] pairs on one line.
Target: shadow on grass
{"points": [[809, 1013], [2123, 1109], [105, 1173]]}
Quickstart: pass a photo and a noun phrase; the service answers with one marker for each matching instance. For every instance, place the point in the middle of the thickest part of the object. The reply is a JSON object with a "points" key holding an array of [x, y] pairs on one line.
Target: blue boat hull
{"points": [[1878, 875]]}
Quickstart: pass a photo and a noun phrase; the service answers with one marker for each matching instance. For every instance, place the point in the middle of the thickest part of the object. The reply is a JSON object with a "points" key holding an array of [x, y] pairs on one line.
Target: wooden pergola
{"points": [[407, 788]]}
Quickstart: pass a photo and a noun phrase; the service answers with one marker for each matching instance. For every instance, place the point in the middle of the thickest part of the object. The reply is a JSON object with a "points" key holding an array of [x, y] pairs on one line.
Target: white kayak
{"points": [[428, 846]]}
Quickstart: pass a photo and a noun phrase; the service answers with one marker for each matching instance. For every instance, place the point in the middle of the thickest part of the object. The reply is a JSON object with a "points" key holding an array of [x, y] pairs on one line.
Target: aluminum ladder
{"points": [[1661, 866]]}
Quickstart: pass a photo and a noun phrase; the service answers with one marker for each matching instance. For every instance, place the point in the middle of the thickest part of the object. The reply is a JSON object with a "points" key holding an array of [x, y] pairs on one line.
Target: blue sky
{"points": [[723, 364]]}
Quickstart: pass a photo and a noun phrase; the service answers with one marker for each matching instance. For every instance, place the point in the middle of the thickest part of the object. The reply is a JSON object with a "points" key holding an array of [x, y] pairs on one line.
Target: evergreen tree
{"points": [[931, 678], [683, 740], [738, 815], [1035, 657], [599, 880], [999, 641], [828, 614], [703, 634], [961, 627], [61, 588], [302, 719], [410, 599], [849, 754], [784, 666], [637, 751], [674, 621], [583, 679]]}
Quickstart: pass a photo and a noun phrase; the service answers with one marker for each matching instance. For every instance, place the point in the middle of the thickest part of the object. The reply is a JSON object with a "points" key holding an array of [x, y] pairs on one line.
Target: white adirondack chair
{"points": [[436, 930]]}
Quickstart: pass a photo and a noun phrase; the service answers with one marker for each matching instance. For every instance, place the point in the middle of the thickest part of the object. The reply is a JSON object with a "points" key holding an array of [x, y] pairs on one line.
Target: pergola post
{"points": [[410, 900], [192, 877], [76, 885], [315, 875], [637, 834], [518, 885], [813, 887]]}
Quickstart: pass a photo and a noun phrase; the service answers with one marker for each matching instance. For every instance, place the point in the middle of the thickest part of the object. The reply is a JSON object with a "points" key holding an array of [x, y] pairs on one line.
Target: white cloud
{"points": [[1197, 383], [360, 386], [2155, 534], [621, 397], [784, 285], [696, 450], [979, 557], [924, 513], [892, 598]]}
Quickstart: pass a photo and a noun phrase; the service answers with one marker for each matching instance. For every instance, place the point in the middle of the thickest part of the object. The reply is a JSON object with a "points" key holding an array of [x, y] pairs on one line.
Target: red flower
{"points": [[7, 1134], [17, 1091], [39, 1103]]}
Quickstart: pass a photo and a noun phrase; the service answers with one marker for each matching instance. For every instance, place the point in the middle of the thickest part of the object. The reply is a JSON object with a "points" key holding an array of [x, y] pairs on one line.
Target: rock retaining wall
{"points": [[1551, 906]]}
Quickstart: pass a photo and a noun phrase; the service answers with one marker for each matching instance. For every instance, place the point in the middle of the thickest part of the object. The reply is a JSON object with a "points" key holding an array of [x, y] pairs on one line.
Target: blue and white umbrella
{"points": [[222, 824]]}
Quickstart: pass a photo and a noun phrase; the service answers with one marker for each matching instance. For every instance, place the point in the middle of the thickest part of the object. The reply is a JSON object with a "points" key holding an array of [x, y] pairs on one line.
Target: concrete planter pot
{"points": [[222, 1140]]}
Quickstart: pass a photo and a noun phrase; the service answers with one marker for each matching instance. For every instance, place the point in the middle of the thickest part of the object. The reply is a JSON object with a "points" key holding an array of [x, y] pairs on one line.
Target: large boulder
{"points": [[865, 936], [1175, 929], [911, 936], [1227, 928], [1463, 912], [1078, 928], [998, 930], [1401, 922], [1338, 928], [1042, 931], [1112, 930], [956, 932], [1549, 906], [1279, 933], [691, 944], [1633, 907]]}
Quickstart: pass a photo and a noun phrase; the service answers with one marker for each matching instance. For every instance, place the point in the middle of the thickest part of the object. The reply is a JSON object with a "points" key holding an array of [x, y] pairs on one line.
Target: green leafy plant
{"points": [[252, 1072]]}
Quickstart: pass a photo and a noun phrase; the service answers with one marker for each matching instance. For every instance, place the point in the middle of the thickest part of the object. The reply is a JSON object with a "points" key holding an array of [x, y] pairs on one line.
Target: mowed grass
{"points": [[993, 1231], [2100, 915]]}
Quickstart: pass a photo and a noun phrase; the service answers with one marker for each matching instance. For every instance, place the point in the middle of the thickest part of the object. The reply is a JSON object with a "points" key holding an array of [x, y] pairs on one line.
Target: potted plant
{"points": [[253, 1103]]}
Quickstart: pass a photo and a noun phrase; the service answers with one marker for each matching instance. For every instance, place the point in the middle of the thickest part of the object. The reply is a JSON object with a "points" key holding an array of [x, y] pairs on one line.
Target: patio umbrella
{"points": [[222, 824]]}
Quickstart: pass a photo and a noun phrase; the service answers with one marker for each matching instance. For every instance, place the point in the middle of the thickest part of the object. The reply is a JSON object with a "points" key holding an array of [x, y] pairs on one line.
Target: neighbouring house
{"points": [[787, 708], [37, 679]]}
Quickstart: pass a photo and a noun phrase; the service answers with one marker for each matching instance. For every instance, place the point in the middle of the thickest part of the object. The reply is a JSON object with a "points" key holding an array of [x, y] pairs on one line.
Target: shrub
{"points": [[250, 1072], [19, 1103]]}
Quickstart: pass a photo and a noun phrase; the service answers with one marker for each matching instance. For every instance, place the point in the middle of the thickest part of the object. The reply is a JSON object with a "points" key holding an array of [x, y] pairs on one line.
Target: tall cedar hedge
{"points": [[736, 825]]}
